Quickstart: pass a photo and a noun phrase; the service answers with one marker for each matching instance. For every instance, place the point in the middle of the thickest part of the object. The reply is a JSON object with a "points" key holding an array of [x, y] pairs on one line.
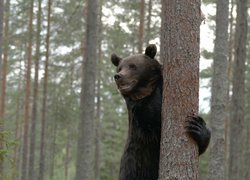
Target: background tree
{"points": [[3, 79], [141, 26], [84, 163], [31, 171], [238, 96], [219, 93], [1, 50], [1, 32], [180, 57], [45, 94], [27, 95]]}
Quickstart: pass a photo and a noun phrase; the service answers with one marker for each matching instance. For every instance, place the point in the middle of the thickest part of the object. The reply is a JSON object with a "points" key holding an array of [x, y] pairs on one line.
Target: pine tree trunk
{"points": [[148, 34], [5, 60], [98, 97], [229, 75], [247, 154], [180, 56], [44, 101], [27, 97], [1, 36], [84, 163], [238, 104], [18, 128], [53, 146], [219, 93], [66, 161], [31, 170], [3, 70], [141, 26]]}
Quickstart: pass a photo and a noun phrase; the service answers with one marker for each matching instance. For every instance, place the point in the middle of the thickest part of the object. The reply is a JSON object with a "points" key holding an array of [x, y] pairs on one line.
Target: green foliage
{"points": [[206, 73]]}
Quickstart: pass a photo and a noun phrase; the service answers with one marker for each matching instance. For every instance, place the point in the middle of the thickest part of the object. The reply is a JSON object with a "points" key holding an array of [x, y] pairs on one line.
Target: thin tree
{"points": [[180, 56], [229, 75], [1, 47], [5, 62], [238, 104], [66, 161], [1, 33], [35, 97], [27, 95], [44, 101], [3, 71], [148, 26], [141, 26], [84, 163], [53, 144], [98, 99], [18, 128], [219, 93]]}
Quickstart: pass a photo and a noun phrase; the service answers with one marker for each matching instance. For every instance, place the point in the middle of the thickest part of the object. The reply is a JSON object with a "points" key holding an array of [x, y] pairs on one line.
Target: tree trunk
{"points": [[66, 161], [141, 26], [27, 96], [238, 104], [98, 98], [3, 70], [148, 33], [219, 93], [180, 56], [31, 170], [84, 163], [5, 60], [53, 146], [18, 128], [247, 154], [1, 36], [229, 75], [44, 104]]}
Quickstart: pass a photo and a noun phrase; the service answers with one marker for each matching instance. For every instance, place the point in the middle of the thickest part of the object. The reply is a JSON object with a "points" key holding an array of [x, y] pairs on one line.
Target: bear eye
{"points": [[132, 66], [119, 69]]}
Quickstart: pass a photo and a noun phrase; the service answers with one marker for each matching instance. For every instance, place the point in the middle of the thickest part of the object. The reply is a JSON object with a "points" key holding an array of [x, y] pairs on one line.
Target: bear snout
{"points": [[117, 77]]}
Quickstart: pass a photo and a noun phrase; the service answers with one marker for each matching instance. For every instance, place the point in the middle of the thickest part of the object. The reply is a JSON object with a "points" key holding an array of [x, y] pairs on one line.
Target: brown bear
{"points": [[139, 80]]}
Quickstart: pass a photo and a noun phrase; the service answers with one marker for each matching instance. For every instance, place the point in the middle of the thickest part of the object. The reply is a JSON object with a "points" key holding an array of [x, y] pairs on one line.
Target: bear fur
{"points": [[139, 80]]}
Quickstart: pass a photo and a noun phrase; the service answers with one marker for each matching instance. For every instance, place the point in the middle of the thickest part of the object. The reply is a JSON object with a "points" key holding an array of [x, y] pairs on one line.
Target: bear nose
{"points": [[117, 77]]}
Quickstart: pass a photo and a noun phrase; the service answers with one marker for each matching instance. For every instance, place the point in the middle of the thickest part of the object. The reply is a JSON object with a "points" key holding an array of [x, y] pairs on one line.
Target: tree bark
{"points": [[3, 70], [219, 93], [1, 34], [148, 34], [27, 96], [84, 163], [31, 170], [180, 56], [66, 161], [44, 103], [229, 75], [53, 145], [238, 104], [98, 98], [141, 26], [18, 128]]}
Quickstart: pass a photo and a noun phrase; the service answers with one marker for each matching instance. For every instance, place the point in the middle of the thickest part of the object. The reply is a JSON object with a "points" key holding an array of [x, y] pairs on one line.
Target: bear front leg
{"points": [[196, 128]]}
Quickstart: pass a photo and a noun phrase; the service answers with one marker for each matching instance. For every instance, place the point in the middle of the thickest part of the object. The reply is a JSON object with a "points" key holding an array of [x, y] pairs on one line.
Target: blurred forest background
{"points": [[44, 65]]}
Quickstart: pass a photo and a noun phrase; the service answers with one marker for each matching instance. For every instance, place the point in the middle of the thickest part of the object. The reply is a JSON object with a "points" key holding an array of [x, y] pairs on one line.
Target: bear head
{"points": [[137, 75]]}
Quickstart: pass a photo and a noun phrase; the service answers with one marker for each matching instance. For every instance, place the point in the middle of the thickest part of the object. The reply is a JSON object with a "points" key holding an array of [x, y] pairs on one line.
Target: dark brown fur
{"points": [[139, 79]]}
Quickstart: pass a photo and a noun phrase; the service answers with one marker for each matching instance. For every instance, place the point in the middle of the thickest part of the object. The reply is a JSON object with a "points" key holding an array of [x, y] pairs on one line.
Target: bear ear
{"points": [[115, 59], [151, 50]]}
